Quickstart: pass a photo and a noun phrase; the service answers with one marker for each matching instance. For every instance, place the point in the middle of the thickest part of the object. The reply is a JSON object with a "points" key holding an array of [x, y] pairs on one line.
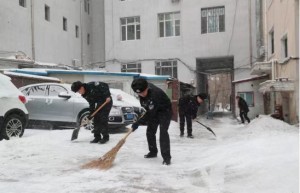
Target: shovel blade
{"points": [[75, 133]]}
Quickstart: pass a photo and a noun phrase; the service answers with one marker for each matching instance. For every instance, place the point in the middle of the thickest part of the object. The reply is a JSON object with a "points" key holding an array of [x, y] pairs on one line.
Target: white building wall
{"points": [[191, 44], [15, 32], [51, 43]]}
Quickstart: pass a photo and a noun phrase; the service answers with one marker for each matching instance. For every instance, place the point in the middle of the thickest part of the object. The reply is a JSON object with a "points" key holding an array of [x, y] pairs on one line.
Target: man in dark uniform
{"points": [[244, 109], [188, 107], [158, 113], [96, 93]]}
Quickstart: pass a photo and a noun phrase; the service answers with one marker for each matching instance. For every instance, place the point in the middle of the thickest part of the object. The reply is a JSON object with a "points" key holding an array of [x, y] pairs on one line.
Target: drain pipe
{"points": [[32, 30]]}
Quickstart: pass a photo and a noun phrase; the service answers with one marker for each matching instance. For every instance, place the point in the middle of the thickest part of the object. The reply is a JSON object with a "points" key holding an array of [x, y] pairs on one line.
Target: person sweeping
{"points": [[96, 93], [159, 113]]}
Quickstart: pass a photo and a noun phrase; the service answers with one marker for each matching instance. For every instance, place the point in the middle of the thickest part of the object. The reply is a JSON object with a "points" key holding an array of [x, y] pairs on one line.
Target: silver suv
{"points": [[13, 113], [55, 103]]}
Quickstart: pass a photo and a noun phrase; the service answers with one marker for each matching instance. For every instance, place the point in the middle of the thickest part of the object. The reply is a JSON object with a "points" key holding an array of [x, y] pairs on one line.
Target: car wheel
{"points": [[84, 121], [13, 126]]}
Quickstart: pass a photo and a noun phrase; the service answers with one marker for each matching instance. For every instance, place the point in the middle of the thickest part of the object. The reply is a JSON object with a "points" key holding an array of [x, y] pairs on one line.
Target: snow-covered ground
{"points": [[261, 157]]}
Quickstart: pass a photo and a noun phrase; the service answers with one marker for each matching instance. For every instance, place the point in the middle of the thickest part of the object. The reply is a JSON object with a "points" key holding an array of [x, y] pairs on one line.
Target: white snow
{"points": [[261, 157]]}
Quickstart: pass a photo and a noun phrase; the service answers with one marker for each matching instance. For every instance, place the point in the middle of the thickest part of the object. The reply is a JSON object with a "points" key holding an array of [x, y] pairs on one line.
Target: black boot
{"points": [[96, 140], [166, 162], [150, 155], [181, 134], [105, 139], [190, 136]]}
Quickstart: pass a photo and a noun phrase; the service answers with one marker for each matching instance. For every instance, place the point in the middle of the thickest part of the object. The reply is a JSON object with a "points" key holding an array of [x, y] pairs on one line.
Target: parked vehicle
{"points": [[13, 113], [55, 103]]}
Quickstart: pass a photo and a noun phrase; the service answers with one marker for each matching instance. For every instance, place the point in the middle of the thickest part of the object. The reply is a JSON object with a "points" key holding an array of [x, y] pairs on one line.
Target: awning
{"points": [[278, 85]]}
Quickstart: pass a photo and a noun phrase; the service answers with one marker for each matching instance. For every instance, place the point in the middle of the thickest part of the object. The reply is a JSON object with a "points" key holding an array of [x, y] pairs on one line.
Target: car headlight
{"points": [[115, 111]]}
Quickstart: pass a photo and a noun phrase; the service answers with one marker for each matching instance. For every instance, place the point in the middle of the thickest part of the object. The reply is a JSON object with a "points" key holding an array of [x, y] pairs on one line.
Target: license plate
{"points": [[129, 116]]}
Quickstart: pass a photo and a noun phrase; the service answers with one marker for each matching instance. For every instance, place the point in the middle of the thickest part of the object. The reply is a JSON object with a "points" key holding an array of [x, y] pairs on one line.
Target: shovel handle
{"points": [[99, 108]]}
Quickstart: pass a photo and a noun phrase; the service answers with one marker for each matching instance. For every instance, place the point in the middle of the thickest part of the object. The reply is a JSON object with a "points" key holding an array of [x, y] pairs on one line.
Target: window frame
{"points": [[47, 12], [218, 20], [65, 24], [137, 68], [23, 3], [162, 22], [136, 25], [244, 96], [272, 41], [284, 47], [160, 67], [76, 31], [88, 39]]}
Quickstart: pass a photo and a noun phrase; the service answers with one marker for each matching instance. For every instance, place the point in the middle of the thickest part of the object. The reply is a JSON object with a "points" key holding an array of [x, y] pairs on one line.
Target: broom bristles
{"points": [[106, 161]]}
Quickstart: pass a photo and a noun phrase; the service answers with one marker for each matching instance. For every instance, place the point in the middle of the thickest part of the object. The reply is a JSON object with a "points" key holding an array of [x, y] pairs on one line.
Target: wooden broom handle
{"points": [[130, 129], [99, 108]]}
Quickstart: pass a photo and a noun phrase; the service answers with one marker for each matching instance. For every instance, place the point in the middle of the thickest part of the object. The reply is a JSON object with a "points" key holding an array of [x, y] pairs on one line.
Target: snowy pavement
{"points": [[261, 157]]}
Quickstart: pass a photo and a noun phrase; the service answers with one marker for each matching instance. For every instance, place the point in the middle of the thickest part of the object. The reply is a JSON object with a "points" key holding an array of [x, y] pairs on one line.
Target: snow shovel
{"points": [[208, 128], [105, 162], [76, 130]]}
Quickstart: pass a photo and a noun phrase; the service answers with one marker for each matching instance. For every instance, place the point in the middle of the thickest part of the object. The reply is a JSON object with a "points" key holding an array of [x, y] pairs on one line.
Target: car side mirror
{"points": [[64, 95]]}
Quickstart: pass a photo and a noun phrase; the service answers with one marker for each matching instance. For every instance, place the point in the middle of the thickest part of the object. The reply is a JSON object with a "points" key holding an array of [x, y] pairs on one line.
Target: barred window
{"points": [[169, 24], [130, 28], [212, 20], [131, 67], [166, 68]]}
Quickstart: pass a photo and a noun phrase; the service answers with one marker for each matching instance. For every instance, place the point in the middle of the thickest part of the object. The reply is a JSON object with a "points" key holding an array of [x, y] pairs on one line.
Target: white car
{"points": [[13, 113], [56, 104]]}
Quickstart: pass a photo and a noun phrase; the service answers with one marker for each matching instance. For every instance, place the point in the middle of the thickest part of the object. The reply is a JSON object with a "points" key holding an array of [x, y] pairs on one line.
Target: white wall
{"points": [[51, 43]]}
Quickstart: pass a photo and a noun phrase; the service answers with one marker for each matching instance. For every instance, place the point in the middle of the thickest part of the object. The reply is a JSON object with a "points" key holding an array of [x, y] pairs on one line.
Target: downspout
{"points": [[32, 30], [81, 34], [250, 32]]}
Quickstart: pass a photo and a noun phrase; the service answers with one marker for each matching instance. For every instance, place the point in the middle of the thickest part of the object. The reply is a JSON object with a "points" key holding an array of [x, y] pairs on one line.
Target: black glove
{"points": [[134, 126]]}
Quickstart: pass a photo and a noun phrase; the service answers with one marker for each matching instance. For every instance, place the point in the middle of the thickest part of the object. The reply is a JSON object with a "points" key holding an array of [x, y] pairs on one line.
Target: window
{"points": [[88, 39], [212, 20], [47, 13], [54, 90], [284, 43], [35, 90], [271, 37], [76, 31], [169, 24], [166, 68], [248, 97], [65, 24], [87, 6], [22, 3], [131, 67], [130, 28]]}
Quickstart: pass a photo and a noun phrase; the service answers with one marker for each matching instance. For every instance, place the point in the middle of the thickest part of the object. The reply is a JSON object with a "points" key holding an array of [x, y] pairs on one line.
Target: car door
{"points": [[35, 101], [58, 108]]}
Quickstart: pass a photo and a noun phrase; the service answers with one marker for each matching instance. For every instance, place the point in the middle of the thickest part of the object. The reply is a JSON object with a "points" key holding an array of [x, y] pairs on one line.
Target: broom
{"points": [[105, 162]]}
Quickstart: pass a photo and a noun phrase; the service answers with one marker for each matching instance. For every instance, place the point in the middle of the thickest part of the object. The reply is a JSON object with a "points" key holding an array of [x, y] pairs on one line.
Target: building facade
{"points": [[281, 61], [187, 40], [61, 32]]}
